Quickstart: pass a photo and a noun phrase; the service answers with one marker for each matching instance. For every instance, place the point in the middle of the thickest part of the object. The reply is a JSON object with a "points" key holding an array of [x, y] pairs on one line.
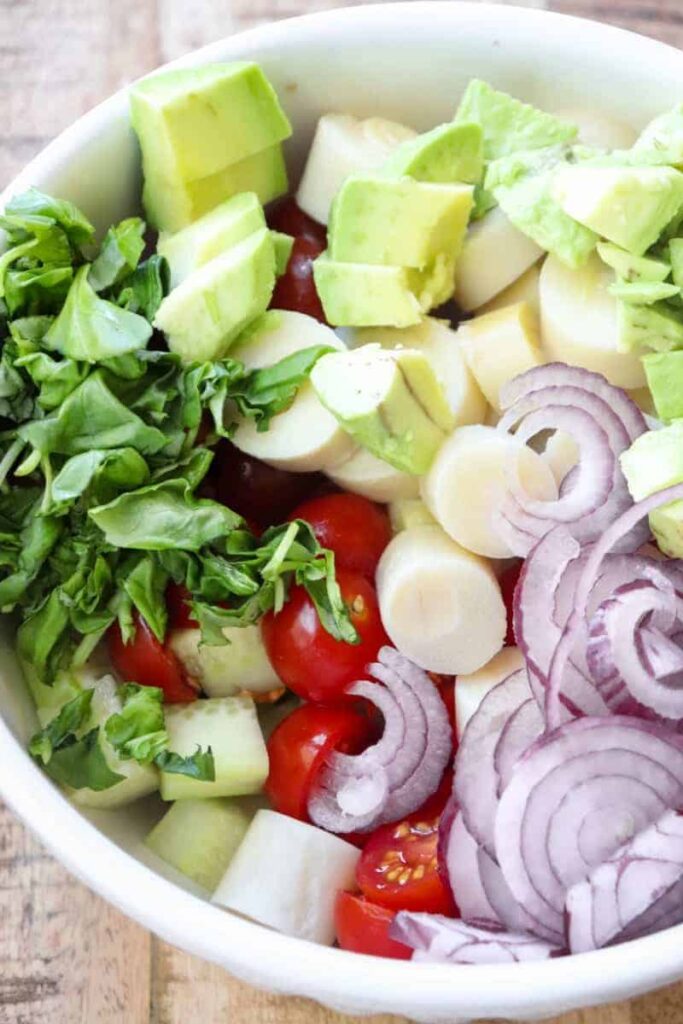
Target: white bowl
{"points": [[408, 62]]}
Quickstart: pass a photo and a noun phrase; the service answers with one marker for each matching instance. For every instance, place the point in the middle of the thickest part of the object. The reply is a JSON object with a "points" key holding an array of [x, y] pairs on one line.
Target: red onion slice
{"points": [[438, 939], [397, 774], [639, 890], [522, 728], [476, 783], [461, 856], [574, 798], [621, 528]]}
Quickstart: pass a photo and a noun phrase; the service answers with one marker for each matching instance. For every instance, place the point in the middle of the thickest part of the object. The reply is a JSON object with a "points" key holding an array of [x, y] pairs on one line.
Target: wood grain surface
{"points": [[66, 957]]}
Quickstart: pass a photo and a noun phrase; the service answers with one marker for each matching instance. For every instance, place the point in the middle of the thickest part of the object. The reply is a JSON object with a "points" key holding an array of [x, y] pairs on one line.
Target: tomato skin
{"points": [[306, 658], [408, 851], [357, 530], [300, 745], [149, 663], [295, 289], [179, 614], [363, 927], [258, 492], [508, 582], [288, 217]]}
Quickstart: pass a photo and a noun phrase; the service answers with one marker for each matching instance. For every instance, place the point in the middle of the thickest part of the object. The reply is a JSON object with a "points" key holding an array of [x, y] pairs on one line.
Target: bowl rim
{"points": [[255, 953]]}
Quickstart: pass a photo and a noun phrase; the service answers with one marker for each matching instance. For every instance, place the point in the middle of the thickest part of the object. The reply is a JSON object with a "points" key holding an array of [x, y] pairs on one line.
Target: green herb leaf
{"points": [[119, 469], [199, 765], [34, 203], [144, 290], [119, 254], [55, 378], [266, 392], [63, 727], [138, 730], [145, 583], [82, 765]]}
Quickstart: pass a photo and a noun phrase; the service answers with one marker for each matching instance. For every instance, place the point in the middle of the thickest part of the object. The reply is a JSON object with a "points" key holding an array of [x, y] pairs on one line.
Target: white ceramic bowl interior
{"points": [[409, 62]]}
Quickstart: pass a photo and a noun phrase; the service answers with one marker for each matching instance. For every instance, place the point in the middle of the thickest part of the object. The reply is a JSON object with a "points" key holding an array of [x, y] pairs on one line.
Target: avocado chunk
{"points": [[283, 245], [224, 226], [360, 295], [655, 461], [172, 204], [522, 185], [643, 293], [663, 138], [390, 401], [664, 373], [508, 124], [203, 119], [632, 268], [209, 309], [630, 206], [658, 327], [402, 223], [448, 153], [676, 256]]}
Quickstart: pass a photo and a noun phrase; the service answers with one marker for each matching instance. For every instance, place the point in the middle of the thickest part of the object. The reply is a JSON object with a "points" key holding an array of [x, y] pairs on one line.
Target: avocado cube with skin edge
{"points": [[658, 327], [206, 118], [664, 372], [676, 254], [171, 203], [448, 153], [402, 223], [653, 462], [203, 316], [632, 268], [364, 295]]}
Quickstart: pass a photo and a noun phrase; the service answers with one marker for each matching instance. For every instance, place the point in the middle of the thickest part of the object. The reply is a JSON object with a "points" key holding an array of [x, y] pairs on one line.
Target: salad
{"points": [[349, 522]]}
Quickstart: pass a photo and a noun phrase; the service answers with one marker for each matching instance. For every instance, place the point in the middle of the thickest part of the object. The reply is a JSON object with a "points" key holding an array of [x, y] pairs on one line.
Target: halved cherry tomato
{"points": [[288, 217], [258, 492], [363, 927], [357, 530], [147, 662], [299, 746], [399, 868], [310, 661], [296, 290], [508, 582], [179, 614]]}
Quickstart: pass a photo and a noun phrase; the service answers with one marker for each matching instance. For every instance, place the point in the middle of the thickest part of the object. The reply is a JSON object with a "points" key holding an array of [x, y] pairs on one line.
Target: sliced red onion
{"points": [[476, 782], [397, 774], [576, 624], [522, 728], [438, 939], [576, 796], [639, 890]]}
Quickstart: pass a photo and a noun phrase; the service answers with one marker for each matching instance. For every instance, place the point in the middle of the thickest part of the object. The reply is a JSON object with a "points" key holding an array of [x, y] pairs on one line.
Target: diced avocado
{"points": [[522, 185], [224, 670], [664, 372], [663, 137], [390, 401], [509, 125], [229, 726], [500, 345], [632, 268], [676, 254], [202, 316], [643, 293], [227, 224], [630, 206], [200, 837], [203, 119], [448, 153], [667, 526], [407, 512], [401, 223], [655, 461], [172, 204], [360, 295], [658, 327], [283, 250]]}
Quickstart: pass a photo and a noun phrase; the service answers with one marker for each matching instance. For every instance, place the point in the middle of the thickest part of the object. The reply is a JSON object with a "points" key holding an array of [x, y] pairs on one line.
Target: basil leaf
{"points": [[138, 730], [55, 378], [145, 584], [37, 540], [118, 469], [62, 728], [119, 253], [35, 203], [144, 290], [266, 392], [199, 765], [40, 290], [92, 329], [82, 765]]}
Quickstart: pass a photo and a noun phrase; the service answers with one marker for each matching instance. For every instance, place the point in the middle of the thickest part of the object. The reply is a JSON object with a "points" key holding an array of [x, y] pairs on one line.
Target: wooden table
{"points": [[66, 957]]}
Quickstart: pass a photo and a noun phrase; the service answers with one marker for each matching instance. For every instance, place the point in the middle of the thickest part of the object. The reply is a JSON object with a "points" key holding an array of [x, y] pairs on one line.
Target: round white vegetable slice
{"points": [[306, 437], [599, 130], [471, 689], [524, 289], [440, 604], [435, 339], [223, 671], [286, 875], [344, 145], [561, 453], [363, 473], [466, 484], [579, 323], [495, 253]]}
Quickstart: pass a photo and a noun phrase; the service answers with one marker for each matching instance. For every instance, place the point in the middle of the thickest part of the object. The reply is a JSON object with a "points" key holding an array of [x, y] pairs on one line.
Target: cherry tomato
{"points": [[299, 746], [260, 493], [356, 529], [295, 289], [363, 927], [289, 218], [508, 582], [179, 614], [310, 661], [149, 663], [399, 868]]}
